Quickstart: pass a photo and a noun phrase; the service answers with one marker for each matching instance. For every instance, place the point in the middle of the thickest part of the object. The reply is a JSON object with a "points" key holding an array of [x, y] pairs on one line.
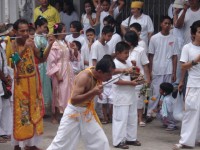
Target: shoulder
{"points": [[139, 49]]}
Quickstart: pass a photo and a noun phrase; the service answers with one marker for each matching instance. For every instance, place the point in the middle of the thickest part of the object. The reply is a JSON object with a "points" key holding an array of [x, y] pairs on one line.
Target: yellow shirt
{"points": [[51, 14]]}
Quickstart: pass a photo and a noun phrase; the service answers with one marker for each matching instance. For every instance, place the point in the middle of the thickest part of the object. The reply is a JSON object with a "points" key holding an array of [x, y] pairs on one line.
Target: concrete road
{"points": [[152, 137]]}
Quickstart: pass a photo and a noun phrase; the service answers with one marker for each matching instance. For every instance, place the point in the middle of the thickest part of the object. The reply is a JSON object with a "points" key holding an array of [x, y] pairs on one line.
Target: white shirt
{"points": [[112, 43], [81, 39], [67, 19], [189, 53], [123, 94], [85, 54], [143, 45], [139, 55], [98, 51], [190, 17], [86, 21], [146, 23], [163, 48], [105, 14]]}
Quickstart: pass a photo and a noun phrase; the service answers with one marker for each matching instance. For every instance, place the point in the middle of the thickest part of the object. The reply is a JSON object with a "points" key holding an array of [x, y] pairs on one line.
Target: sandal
{"points": [[180, 146], [122, 145], [142, 124], [2, 140], [6, 137], [134, 143]]}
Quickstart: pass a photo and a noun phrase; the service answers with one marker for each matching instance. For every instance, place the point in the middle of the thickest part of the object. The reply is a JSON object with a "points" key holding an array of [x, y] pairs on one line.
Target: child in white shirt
{"points": [[77, 62], [124, 110]]}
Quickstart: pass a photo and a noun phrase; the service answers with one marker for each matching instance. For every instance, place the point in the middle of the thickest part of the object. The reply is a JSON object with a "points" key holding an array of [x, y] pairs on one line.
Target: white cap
{"points": [[178, 4]]}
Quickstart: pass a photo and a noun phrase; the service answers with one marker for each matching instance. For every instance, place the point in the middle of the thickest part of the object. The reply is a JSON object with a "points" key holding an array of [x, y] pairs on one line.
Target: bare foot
{"points": [[54, 121], [32, 148]]}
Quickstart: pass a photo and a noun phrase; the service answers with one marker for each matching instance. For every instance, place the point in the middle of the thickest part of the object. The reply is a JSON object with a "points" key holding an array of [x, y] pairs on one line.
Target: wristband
{"points": [[194, 63]]}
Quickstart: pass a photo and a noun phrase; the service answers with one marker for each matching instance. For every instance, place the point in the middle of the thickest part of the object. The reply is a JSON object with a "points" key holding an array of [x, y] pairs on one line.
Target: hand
{"points": [[51, 39], [173, 77], [197, 59], [29, 43], [180, 86], [8, 80], [97, 90], [59, 78], [186, 6], [134, 83], [100, 97], [176, 11]]}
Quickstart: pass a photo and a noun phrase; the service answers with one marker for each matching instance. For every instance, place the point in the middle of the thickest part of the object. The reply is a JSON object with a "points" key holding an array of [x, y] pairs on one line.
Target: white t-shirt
{"points": [[178, 33], [105, 14], [112, 43], [98, 51], [86, 21], [138, 54], [163, 48], [190, 17], [81, 39], [123, 94], [67, 19], [146, 23], [189, 53], [143, 45]]}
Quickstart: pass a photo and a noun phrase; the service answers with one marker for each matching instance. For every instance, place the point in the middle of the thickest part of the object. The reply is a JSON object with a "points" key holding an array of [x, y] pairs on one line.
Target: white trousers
{"points": [[155, 85], [124, 125], [5, 117], [190, 131], [71, 129]]}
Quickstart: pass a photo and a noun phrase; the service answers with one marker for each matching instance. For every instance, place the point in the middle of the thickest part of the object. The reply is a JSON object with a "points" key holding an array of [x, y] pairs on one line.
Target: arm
{"points": [[122, 82], [146, 72], [94, 62], [181, 83], [121, 4], [81, 91], [123, 30], [174, 65], [180, 21], [150, 64]]}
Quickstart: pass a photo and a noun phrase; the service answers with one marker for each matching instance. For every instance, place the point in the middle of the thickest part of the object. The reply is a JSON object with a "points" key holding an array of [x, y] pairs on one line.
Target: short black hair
{"points": [[194, 27], [71, 8], [77, 25], [58, 27], [137, 26], [132, 38], [91, 4], [167, 87], [90, 30], [40, 21], [110, 20], [108, 1], [165, 17], [78, 44], [121, 46], [107, 29], [19, 21], [105, 64]]}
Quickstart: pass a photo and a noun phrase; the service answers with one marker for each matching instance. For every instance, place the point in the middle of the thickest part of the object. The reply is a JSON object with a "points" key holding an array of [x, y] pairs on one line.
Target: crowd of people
{"points": [[89, 75]]}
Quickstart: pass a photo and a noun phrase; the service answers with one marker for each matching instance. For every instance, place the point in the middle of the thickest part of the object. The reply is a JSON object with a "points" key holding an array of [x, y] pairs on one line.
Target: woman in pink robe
{"points": [[60, 70]]}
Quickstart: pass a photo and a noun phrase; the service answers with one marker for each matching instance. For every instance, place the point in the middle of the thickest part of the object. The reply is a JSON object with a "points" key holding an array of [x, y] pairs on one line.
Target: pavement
{"points": [[152, 137]]}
